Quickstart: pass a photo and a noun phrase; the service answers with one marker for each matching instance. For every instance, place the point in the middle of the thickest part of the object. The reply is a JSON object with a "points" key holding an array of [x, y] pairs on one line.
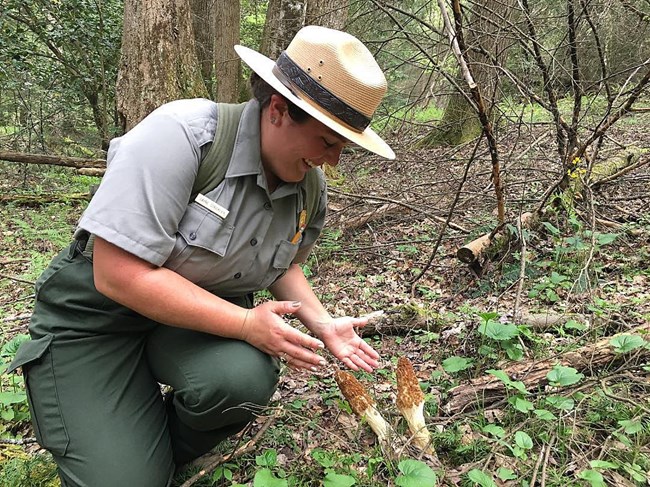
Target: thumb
{"points": [[287, 307]]}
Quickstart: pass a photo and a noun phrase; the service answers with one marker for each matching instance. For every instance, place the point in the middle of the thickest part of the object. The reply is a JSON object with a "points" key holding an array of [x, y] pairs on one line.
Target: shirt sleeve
{"points": [[147, 186]]}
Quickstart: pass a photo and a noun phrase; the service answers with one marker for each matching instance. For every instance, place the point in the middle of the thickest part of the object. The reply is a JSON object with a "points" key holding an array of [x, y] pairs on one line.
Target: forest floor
{"points": [[586, 267]]}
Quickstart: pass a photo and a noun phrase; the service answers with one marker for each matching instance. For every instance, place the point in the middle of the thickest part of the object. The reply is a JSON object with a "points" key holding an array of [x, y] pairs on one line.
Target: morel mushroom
{"points": [[410, 402], [363, 405]]}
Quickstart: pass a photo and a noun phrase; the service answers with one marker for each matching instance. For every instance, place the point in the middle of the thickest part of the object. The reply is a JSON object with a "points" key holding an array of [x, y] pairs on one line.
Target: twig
{"points": [[533, 479], [447, 221], [17, 279], [522, 269], [546, 455], [400, 203], [625, 170], [9, 319], [637, 404], [22, 441], [219, 459]]}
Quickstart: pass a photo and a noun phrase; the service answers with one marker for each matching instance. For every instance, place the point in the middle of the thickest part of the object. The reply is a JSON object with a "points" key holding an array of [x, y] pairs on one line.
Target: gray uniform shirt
{"points": [[143, 207]]}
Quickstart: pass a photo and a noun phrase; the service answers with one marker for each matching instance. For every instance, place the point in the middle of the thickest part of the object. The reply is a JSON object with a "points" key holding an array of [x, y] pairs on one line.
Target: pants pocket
{"points": [[35, 357]]}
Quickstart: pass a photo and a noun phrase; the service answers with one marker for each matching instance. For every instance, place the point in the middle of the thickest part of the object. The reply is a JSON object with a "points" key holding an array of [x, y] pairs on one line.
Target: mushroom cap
{"points": [[409, 393], [354, 392]]}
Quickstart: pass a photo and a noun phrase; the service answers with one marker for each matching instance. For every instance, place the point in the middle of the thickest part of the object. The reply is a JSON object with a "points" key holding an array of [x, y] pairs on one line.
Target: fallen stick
{"points": [[213, 461]]}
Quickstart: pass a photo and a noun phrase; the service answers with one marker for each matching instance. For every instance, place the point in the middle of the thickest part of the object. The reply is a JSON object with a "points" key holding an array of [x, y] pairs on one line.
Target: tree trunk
{"points": [[485, 48], [227, 66], [283, 19], [327, 13], [159, 62], [204, 21]]}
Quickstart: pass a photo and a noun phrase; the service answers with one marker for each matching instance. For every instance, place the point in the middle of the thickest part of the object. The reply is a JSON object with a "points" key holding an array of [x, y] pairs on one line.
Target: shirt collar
{"points": [[246, 158]]}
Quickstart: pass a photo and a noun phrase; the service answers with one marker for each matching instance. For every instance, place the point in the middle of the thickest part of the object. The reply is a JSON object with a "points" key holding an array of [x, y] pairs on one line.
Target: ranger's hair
{"points": [[262, 92]]}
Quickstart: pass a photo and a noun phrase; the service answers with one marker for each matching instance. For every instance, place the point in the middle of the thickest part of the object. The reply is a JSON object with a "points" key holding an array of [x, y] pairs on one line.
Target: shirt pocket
{"points": [[285, 255], [202, 237]]}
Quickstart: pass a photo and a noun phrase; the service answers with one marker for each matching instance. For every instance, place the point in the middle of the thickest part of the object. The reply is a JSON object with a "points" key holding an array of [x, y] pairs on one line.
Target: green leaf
{"points": [[605, 238], [337, 480], [498, 331], [415, 474], [552, 229], [626, 343], [575, 325], [488, 315], [494, 430], [563, 376], [545, 415], [10, 348], [456, 364], [506, 474], [631, 426], [265, 478], [521, 404], [561, 402], [514, 351], [523, 440], [325, 459], [481, 478], [8, 397], [594, 478], [603, 464], [510, 384], [267, 459]]}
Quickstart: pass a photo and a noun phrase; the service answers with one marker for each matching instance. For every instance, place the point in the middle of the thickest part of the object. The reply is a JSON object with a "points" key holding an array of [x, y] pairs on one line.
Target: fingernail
{"points": [[295, 304], [322, 363], [314, 369], [321, 345]]}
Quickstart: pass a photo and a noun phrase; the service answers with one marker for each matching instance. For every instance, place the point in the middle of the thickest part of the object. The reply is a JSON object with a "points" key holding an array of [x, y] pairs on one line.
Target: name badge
{"points": [[211, 206]]}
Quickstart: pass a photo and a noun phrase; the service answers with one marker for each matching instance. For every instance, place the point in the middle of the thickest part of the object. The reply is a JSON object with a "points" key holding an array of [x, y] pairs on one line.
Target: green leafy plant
{"points": [[626, 343], [561, 376], [13, 400], [414, 473], [456, 364]]}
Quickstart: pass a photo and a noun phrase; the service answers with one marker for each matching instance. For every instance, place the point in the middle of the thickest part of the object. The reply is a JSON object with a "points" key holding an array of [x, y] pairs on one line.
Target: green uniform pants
{"points": [[92, 371]]}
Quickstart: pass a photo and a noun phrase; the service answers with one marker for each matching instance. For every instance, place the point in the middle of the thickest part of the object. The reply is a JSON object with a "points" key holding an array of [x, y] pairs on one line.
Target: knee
{"points": [[231, 392]]}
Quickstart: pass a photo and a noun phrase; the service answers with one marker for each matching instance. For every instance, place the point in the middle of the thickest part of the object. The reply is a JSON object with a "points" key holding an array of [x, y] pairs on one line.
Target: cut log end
{"points": [[470, 252]]}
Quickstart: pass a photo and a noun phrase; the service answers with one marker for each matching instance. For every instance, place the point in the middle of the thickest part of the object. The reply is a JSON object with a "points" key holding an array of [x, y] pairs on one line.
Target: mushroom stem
{"points": [[363, 405], [410, 402]]}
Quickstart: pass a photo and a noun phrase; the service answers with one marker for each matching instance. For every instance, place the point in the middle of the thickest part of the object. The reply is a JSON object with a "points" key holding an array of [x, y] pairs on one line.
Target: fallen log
{"points": [[76, 162], [487, 390]]}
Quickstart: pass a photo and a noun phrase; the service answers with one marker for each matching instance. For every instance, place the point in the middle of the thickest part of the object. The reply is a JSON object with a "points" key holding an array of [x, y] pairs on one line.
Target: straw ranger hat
{"points": [[333, 77]]}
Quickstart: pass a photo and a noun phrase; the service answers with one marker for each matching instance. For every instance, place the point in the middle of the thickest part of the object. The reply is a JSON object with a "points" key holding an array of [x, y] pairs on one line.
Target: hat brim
{"points": [[263, 66]]}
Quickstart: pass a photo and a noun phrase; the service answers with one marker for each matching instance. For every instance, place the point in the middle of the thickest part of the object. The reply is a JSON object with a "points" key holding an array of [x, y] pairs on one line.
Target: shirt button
{"points": [[237, 276], [267, 206], [192, 236], [253, 242]]}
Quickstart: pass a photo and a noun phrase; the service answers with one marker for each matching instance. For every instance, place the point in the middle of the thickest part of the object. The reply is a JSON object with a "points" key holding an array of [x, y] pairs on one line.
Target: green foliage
{"points": [[14, 412], [59, 57], [626, 343], [479, 477], [561, 376], [415, 473], [456, 364], [33, 471]]}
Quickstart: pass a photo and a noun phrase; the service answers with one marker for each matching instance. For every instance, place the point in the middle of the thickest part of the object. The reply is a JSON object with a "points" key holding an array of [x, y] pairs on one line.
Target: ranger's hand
{"points": [[266, 329], [342, 340]]}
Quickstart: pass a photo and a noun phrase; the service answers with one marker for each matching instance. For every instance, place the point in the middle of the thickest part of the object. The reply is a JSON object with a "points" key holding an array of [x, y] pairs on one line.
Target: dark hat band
{"points": [[289, 73]]}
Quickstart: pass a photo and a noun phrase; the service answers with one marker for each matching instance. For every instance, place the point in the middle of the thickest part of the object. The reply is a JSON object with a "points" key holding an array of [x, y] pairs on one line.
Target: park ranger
{"points": [[202, 204]]}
